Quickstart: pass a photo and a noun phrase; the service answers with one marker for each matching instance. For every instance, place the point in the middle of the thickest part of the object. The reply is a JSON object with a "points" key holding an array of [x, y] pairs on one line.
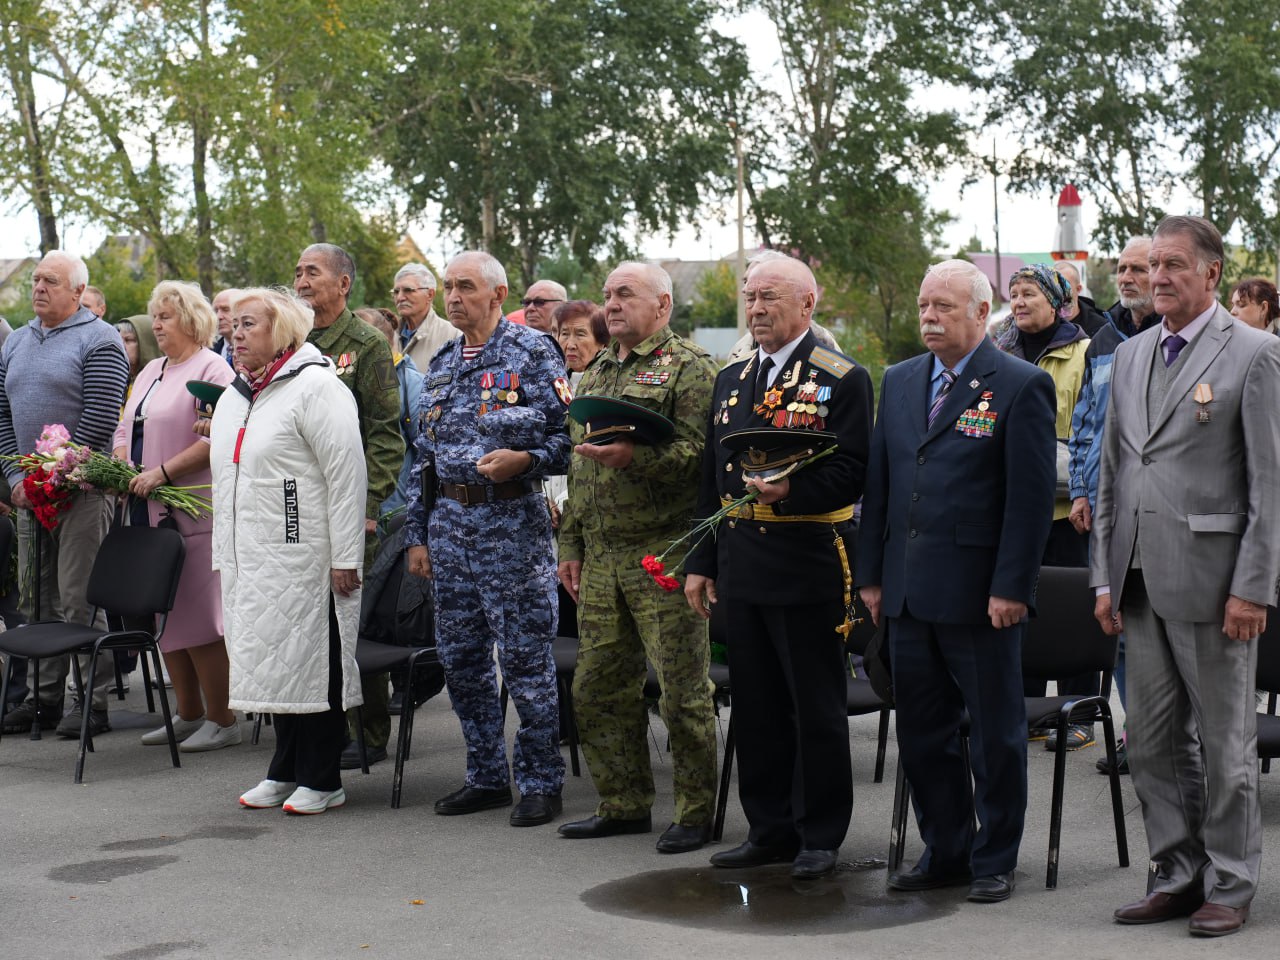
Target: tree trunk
{"points": [[17, 55], [199, 157]]}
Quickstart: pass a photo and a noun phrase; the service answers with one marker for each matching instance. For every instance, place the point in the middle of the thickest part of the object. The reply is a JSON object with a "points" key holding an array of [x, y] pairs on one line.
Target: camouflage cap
{"points": [[515, 428]]}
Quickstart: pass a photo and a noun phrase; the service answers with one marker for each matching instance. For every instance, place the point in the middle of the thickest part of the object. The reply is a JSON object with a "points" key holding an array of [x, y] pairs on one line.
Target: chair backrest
{"points": [[6, 540], [1063, 639], [136, 571], [1268, 678]]}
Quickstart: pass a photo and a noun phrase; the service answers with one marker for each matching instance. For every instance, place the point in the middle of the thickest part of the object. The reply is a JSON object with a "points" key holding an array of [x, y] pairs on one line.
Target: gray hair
{"points": [[658, 279], [979, 286], [1204, 236], [79, 275], [556, 288], [491, 269], [340, 262], [419, 272]]}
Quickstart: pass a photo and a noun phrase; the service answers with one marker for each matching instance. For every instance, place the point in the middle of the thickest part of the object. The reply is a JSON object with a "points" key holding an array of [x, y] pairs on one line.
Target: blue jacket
{"points": [[957, 513], [410, 382], [1085, 445]]}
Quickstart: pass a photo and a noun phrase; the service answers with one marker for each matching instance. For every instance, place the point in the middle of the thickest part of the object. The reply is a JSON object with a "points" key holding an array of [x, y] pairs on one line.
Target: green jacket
{"points": [[653, 498], [363, 358]]}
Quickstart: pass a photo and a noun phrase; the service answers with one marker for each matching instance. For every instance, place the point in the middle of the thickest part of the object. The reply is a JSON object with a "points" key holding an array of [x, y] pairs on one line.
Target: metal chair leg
{"points": [[35, 693], [86, 740], [1055, 809], [164, 706], [566, 695], [364, 757], [726, 774], [1117, 806], [146, 683], [898, 828], [115, 662], [882, 741]]}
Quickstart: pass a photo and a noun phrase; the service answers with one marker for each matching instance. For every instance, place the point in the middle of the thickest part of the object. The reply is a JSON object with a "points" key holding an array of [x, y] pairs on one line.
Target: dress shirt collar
{"points": [[1191, 330], [939, 366], [779, 358]]}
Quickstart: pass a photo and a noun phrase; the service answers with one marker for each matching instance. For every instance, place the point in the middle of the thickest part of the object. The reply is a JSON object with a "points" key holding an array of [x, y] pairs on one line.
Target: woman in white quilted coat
{"points": [[288, 538]]}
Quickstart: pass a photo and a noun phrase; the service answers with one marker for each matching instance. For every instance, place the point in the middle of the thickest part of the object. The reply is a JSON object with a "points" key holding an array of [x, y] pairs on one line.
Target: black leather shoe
{"points": [[991, 889], [536, 809], [812, 864], [919, 879], [473, 800], [593, 827], [351, 755], [753, 855], [679, 838]]}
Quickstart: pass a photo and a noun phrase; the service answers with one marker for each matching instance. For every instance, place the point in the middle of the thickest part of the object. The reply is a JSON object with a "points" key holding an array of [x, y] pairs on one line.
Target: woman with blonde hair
{"points": [[159, 434], [289, 489]]}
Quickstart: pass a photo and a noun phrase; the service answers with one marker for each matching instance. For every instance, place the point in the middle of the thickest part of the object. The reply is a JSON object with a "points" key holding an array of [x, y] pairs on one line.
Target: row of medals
{"points": [[499, 383]]}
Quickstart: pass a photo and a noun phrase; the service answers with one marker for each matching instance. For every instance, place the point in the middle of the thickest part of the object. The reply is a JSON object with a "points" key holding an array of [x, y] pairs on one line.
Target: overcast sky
{"points": [[1026, 222]]}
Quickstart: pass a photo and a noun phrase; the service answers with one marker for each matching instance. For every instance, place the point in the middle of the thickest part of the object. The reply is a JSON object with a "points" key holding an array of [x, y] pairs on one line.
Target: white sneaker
{"points": [[306, 800], [182, 729], [269, 793], [210, 736]]}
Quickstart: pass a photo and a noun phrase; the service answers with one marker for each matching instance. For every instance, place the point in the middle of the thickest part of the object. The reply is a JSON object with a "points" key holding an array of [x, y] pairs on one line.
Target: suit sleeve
{"points": [[1030, 467], [1257, 566], [869, 565], [838, 480]]}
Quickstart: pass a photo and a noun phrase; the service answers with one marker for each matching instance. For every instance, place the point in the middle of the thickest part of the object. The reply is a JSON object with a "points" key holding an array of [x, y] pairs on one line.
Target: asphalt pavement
{"points": [[145, 862]]}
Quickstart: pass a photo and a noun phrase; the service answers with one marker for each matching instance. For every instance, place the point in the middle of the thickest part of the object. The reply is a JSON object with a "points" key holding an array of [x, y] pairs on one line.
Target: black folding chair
{"points": [[134, 577], [1063, 640], [862, 698], [1268, 681], [375, 658]]}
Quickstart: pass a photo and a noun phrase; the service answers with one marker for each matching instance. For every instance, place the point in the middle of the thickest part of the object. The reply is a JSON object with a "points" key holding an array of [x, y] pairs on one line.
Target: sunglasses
{"points": [[538, 302]]}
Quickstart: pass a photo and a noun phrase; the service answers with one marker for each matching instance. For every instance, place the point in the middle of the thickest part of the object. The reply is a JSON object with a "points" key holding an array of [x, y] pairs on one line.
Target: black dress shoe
{"points": [[350, 759], [919, 879], [473, 800], [535, 809], [753, 855], [593, 827], [811, 864], [992, 889], [679, 838]]}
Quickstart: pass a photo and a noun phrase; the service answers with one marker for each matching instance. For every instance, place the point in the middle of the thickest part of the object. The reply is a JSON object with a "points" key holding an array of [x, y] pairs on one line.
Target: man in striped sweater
{"points": [[66, 366]]}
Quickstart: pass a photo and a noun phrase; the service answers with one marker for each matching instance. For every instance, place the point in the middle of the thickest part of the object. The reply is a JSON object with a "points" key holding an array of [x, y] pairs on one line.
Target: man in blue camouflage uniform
{"points": [[494, 410]]}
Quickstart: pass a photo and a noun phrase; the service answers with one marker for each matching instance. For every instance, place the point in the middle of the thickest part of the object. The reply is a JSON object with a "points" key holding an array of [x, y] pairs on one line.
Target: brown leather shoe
{"points": [[1217, 920], [1159, 907]]}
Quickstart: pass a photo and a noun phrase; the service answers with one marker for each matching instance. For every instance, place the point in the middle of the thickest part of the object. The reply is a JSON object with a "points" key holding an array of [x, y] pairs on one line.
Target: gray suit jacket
{"points": [[1200, 500]]}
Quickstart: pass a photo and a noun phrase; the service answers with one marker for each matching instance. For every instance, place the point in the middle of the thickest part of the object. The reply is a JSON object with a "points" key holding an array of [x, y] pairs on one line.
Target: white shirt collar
{"points": [[780, 356]]}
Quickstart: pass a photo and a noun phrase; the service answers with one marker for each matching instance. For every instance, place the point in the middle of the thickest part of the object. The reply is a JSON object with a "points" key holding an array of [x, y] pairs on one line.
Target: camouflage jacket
{"points": [[363, 358], [653, 498]]}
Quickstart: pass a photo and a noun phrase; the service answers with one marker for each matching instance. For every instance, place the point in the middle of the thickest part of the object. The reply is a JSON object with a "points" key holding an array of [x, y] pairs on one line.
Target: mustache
{"points": [[932, 328]]}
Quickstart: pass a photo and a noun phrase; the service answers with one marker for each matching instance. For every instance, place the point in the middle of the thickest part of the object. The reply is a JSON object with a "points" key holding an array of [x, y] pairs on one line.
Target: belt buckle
{"points": [[465, 491], [747, 511]]}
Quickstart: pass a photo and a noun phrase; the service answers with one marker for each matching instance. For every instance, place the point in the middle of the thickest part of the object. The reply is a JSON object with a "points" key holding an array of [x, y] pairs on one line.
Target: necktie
{"points": [[1172, 347], [948, 381], [762, 380]]}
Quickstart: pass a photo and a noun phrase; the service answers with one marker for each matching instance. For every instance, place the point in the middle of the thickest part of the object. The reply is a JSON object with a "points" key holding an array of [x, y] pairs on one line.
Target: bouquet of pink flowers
{"points": [[58, 468]]}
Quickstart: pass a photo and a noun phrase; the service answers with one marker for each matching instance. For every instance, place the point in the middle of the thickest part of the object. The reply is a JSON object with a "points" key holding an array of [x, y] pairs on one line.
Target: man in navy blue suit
{"points": [[958, 503]]}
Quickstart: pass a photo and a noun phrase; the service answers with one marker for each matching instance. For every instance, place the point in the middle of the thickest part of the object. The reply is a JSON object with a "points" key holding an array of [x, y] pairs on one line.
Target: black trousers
{"points": [[790, 718], [939, 671], [309, 745]]}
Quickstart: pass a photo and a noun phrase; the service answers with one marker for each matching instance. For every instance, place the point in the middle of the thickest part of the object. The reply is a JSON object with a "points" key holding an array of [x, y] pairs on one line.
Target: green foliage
{"points": [[534, 124], [716, 301], [125, 284]]}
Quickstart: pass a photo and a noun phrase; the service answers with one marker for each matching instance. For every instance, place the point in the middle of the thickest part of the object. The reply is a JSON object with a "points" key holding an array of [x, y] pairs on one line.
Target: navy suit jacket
{"points": [[949, 520]]}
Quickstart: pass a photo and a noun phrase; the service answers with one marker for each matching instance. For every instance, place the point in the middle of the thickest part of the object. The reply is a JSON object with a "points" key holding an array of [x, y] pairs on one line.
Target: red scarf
{"points": [[268, 373]]}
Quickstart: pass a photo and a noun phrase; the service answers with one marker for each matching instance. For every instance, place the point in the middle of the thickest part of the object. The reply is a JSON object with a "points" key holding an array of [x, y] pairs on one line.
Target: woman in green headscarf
{"points": [[139, 343]]}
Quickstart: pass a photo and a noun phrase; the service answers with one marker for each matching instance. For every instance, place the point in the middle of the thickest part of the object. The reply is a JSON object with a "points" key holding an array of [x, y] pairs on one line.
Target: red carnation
{"points": [[652, 565], [669, 584]]}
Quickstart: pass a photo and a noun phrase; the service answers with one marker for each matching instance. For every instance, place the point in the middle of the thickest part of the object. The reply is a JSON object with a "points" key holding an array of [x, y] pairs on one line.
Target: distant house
{"points": [[14, 281]]}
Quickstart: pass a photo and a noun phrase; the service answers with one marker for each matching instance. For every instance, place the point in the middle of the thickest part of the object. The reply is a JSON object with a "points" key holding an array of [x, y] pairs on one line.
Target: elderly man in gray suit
{"points": [[1187, 551]]}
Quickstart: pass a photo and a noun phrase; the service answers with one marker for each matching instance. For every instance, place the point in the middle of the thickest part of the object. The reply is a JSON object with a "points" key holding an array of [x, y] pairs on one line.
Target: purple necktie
{"points": [[1172, 347], [948, 381]]}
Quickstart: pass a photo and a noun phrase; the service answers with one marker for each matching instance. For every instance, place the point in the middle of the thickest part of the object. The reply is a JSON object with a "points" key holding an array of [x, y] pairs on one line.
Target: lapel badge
{"points": [[973, 384], [1203, 396]]}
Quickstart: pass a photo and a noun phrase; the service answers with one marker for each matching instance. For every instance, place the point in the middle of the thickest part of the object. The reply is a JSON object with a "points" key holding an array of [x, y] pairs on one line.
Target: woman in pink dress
{"points": [[162, 433]]}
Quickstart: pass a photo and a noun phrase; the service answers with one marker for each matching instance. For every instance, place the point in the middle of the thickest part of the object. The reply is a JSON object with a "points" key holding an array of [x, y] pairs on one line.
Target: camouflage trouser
{"points": [[624, 618]]}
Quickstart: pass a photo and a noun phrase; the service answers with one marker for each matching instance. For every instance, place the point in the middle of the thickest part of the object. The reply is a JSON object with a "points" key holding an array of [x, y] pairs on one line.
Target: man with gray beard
{"points": [[1131, 314]]}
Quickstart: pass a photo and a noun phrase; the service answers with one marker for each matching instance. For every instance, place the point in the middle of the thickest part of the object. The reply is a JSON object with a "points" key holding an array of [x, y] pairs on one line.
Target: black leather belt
{"points": [[469, 494]]}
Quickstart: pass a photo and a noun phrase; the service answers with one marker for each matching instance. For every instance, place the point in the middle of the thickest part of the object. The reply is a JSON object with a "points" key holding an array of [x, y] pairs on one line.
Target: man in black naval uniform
{"points": [[781, 565]]}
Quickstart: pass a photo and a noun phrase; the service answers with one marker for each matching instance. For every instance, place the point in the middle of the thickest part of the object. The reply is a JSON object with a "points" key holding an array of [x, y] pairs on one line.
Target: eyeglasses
{"points": [[539, 302], [396, 291]]}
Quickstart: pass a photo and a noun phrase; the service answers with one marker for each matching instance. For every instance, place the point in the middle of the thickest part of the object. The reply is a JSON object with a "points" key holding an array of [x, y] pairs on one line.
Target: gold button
{"points": [[762, 529], [728, 468]]}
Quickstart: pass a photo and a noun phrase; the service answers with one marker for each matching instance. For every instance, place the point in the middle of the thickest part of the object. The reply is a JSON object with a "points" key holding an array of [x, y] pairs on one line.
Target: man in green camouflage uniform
{"points": [[625, 501], [323, 278]]}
